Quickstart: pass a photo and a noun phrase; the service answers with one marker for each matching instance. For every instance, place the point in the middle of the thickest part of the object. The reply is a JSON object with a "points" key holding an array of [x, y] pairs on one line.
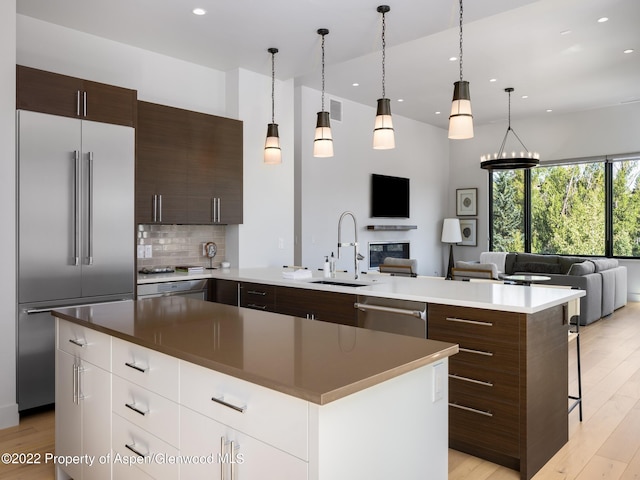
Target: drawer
{"points": [[152, 370], [473, 323], [494, 427], [137, 448], [272, 417], [491, 385], [150, 411], [483, 353], [85, 343], [258, 296]]}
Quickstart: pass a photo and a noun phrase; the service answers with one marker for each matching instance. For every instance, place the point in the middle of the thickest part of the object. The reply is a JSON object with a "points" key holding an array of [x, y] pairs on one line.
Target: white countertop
{"points": [[492, 296]]}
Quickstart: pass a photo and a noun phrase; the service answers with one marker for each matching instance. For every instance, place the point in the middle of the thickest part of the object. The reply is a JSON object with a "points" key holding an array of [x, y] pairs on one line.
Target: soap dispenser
{"points": [[332, 266], [327, 269]]}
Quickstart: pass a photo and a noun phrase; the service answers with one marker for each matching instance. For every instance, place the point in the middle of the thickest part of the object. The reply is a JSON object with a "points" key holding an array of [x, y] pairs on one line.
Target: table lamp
{"points": [[451, 234]]}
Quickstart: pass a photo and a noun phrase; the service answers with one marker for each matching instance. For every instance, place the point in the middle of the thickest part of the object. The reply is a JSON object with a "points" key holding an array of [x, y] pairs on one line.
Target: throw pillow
{"points": [[537, 267]]}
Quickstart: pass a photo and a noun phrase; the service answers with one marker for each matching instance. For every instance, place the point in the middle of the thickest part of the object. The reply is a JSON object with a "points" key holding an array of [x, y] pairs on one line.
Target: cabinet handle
{"points": [[256, 292], [221, 401], [84, 102], [473, 322], [471, 380], [469, 409], [154, 206], [476, 352], [160, 208], [213, 210], [132, 406], [136, 367], [78, 343], [78, 103], [233, 447], [256, 307], [223, 447], [74, 383], [134, 450]]}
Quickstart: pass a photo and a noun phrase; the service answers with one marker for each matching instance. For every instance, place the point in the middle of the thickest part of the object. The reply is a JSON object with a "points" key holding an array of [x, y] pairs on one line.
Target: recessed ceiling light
{"points": [[199, 11], [549, 110], [453, 59], [437, 113], [525, 96], [401, 99], [602, 19], [356, 84], [628, 50], [492, 80], [565, 32]]}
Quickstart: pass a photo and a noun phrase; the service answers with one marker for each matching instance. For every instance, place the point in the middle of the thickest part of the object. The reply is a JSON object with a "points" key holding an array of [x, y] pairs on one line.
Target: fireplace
{"points": [[378, 251]]}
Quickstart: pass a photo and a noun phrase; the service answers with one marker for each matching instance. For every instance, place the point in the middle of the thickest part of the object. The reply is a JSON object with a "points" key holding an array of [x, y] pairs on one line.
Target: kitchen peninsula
{"points": [[268, 396], [507, 386]]}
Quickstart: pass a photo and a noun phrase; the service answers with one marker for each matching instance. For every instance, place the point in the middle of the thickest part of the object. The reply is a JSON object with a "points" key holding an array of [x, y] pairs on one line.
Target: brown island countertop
{"points": [[312, 360]]}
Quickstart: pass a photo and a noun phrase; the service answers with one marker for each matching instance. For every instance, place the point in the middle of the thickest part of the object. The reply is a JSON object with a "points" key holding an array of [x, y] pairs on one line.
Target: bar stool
{"points": [[574, 335], [573, 318]]}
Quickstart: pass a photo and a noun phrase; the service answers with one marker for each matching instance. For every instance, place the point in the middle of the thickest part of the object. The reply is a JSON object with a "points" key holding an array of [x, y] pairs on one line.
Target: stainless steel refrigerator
{"points": [[75, 232]]}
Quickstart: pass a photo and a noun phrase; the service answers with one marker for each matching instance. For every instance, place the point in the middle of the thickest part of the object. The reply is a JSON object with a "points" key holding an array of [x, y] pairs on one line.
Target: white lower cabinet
{"points": [[83, 419], [215, 451]]}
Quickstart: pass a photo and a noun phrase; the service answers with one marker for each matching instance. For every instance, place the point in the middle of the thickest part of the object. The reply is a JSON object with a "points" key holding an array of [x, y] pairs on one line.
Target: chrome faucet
{"points": [[356, 255]]}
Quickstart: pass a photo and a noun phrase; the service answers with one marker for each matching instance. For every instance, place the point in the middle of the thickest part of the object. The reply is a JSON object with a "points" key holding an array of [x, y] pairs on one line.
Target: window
{"points": [[626, 208], [578, 207], [508, 230], [567, 209]]}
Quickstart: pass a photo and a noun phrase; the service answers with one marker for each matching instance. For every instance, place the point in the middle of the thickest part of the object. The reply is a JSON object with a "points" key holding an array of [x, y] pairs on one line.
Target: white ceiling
{"points": [[518, 42]]}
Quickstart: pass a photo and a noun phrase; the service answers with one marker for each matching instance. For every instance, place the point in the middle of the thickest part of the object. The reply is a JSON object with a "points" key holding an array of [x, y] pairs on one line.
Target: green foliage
{"points": [[508, 211], [568, 209]]}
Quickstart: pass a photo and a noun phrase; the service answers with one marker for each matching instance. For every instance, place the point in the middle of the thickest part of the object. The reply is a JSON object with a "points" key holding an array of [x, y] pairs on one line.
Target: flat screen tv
{"points": [[389, 196]]}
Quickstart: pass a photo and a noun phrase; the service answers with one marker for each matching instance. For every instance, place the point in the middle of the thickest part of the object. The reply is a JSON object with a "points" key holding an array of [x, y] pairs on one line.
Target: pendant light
{"points": [[461, 119], [323, 141], [504, 161], [272, 152], [383, 134]]}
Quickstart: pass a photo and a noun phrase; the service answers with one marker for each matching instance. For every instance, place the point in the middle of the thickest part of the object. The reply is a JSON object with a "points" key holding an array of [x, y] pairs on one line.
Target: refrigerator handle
{"points": [[90, 212], [76, 207]]}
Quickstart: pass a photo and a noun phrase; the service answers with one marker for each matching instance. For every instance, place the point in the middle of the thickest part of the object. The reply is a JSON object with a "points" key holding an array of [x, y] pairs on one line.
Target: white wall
{"points": [[595, 132], [266, 236], [329, 186], [8, 405]]}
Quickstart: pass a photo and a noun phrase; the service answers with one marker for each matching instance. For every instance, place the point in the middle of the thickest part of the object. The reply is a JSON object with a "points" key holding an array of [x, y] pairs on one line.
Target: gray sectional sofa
{"points": [[603, 279]]}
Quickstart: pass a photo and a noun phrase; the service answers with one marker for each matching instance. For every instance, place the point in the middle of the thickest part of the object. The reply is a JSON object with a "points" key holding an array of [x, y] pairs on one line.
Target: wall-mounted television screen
{"points": [[389, 196]]}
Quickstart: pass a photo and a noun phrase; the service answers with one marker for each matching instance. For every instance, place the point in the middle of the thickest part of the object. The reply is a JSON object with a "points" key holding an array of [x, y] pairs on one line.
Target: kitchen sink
{"points": [[340, 283]]}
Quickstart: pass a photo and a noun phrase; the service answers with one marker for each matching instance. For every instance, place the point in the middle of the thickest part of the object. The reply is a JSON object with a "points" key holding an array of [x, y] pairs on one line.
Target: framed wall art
{"points": [[466, 202], [468, 230]]}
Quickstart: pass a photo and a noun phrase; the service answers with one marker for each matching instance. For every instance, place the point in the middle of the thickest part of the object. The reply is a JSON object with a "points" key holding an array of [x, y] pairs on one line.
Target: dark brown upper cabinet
{"points": [[47, 92], [188, 167]]}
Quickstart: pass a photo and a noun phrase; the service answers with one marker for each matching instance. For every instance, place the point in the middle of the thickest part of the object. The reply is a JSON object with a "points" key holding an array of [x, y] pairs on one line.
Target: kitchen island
{"points": [[507, 386], [254, 394]]}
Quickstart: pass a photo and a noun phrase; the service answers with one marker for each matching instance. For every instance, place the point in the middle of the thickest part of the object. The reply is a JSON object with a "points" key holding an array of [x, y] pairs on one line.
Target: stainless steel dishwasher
{"points": [[406, 317]]}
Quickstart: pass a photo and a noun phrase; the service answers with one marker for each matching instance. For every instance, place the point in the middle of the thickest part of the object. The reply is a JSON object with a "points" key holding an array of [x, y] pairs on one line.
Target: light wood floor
{"points": [[606, 445]]}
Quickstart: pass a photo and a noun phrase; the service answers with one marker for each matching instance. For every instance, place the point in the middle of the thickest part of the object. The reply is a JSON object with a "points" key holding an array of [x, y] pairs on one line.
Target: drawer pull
{"points": [[472, 322], [78, 343], [472, 410], [132, 406], [136, 367], [476, 352], [134, 450], [221, 401], [256, 292], [257, 307], [471, 380]]}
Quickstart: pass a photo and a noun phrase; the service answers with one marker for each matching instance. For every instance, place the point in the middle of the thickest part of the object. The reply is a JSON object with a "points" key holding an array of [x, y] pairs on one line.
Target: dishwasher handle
{"points": [[379, 308]]}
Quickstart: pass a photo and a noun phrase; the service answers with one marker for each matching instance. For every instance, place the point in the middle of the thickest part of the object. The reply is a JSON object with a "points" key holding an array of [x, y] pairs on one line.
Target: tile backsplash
{"points": [[173, 245]]}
